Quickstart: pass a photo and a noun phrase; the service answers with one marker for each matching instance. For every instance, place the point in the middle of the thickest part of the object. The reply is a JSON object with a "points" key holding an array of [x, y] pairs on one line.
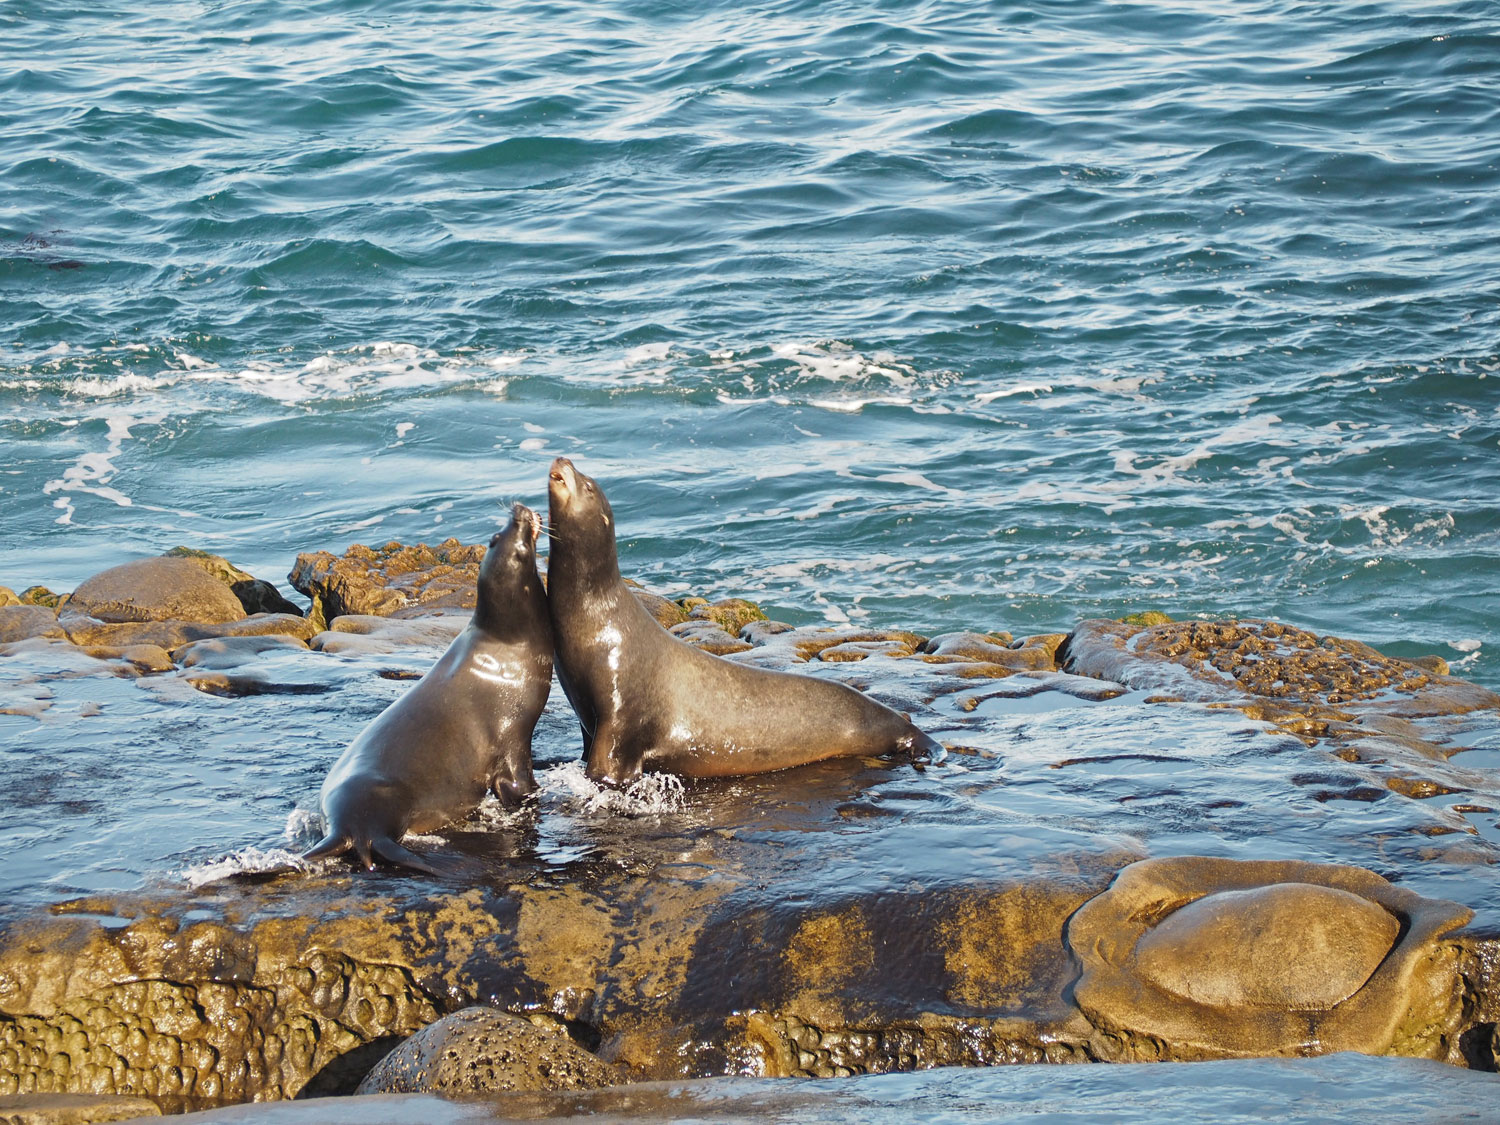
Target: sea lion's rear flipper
{"points": [[334, 843], [392, 852]]}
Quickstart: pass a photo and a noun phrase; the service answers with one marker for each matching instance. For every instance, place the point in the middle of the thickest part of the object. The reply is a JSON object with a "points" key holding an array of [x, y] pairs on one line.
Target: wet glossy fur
{"points": [[647, 701], [465, 728]]}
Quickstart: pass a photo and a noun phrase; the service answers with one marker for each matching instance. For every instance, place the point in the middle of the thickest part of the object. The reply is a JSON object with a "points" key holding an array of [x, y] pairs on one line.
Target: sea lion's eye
{"points": [[588, 486], [557, 477]]}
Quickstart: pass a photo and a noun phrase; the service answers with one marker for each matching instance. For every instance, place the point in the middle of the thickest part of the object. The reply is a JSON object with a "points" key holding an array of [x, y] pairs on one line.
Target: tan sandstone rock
{"points": [[160, 589], [1196, 957]]}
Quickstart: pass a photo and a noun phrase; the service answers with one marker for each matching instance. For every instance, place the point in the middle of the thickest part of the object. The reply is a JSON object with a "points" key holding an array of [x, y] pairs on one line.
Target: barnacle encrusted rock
{"points": [[485, 1051], [1209, 958]]}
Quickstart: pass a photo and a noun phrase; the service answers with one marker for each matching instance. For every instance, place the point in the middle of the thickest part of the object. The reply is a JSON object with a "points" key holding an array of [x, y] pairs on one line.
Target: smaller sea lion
{"points": [[464, 728], [648, 701]]}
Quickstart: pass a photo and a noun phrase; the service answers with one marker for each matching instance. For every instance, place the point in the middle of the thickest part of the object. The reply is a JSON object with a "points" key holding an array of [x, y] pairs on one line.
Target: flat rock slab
{"points": [[487, 1051]]}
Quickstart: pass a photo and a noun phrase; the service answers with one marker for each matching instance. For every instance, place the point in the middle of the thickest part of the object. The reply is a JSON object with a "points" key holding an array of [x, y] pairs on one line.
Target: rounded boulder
{"points": [[159, 589]]}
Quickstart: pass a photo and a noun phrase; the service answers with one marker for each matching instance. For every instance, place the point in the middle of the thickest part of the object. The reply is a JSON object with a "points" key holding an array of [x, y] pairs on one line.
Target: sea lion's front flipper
{"points": [[330, 845], [607, 765]]}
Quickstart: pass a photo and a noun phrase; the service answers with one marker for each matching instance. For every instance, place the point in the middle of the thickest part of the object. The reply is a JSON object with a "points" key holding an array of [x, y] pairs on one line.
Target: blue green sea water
{"points": [[931, 315]]}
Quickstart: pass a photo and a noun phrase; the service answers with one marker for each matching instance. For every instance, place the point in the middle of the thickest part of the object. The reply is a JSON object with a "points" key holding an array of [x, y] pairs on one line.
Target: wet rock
{"points": [[143, 658], [74, 1109], [21, 622], [709, 637], [860, 650], [761, 632], [239, 666], [666, 611], [8, 597], [729, 614], [266, 625], [1210, 958], [40, 595], [363, 633], [380, 582], [1032, 654], [487, 1051], [1373, 708], [160, 589], [85, 631], [810, 642], [255, 594], [1296, 946], [224, 653], [1224, 659]]}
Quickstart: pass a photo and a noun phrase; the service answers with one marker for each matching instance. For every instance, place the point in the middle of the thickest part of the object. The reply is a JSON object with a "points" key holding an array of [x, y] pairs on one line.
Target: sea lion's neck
{"points": [[576, 564], [515, 612]]}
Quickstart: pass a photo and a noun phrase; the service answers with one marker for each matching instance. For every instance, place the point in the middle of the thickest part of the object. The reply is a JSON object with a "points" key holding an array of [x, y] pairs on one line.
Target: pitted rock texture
{"points": [[790, 1048], [159, 589], [1266, 659], [190, 1016], [73, 1109], [1215, 958], [729, 614], [384, 581], [709, 637], [1405, 717], [485, 1051]]}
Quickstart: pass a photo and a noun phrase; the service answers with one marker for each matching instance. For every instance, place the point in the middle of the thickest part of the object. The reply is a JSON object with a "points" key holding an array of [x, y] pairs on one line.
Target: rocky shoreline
{"points": [[711, 948]]}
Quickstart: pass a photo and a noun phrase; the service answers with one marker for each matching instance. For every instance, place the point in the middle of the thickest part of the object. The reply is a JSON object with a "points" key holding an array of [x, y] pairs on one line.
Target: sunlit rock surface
{"points": [[1223, 957], [851, 917], [388, 580]]}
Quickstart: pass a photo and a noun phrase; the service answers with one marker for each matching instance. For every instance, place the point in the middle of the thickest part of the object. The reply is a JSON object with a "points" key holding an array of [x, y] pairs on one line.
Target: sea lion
{"points": [[464, 728], [648, 701]]}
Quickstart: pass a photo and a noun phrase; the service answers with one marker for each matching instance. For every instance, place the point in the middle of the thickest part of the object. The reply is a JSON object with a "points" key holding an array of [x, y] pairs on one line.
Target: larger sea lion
{"points": [[464, 728], [647, 701]]}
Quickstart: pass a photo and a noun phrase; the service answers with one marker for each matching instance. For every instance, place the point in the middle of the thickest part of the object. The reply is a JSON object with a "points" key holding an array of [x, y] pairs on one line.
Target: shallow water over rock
{"points": [[1340, 1089]]}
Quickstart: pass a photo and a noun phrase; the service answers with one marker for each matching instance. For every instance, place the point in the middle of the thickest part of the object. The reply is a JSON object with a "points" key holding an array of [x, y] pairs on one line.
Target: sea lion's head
{"points": [[576, 501], [580, 523], [509, 567]]}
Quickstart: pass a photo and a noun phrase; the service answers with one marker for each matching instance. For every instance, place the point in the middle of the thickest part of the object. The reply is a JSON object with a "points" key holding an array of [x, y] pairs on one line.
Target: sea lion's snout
{"points": [[526, 523]]}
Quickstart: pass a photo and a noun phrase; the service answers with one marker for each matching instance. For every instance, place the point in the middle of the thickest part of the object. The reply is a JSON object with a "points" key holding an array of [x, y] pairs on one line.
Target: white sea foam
{"points": [[652, 794], [304, 827], [249, 860]]}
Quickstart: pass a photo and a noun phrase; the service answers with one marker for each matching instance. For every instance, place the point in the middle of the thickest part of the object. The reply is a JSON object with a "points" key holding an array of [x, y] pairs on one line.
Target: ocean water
{"points": [[992, 315], [938, 316]]}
